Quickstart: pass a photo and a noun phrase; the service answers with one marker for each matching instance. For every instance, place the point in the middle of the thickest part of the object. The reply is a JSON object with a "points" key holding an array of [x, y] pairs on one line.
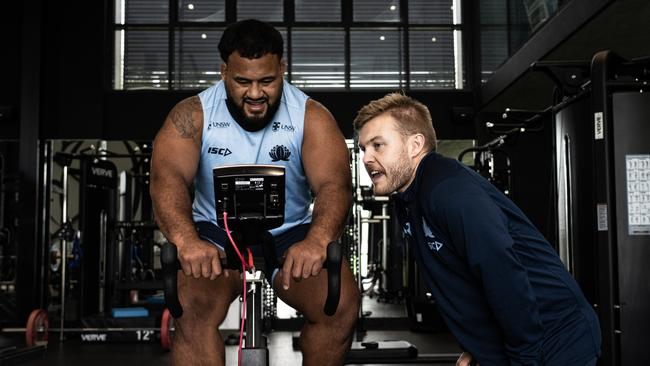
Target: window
{"points": [[329, 44], [196, 63], [201, 11], [432, 59], [440, 12], [317, 11], [317, 60], [376, 58], [494, 36], [376, 10], [145, 59], [506, 25], [142, 12], [266, 10]]}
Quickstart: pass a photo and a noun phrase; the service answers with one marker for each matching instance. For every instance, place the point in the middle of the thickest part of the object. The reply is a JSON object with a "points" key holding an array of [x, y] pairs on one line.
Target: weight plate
{"points": [[166, 334], [37, 328]]}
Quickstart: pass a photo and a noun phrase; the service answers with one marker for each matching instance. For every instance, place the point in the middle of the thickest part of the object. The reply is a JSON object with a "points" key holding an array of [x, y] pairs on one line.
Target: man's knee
{"points": [[349, 305], [204, 306], [199, 317], [345, 317]]}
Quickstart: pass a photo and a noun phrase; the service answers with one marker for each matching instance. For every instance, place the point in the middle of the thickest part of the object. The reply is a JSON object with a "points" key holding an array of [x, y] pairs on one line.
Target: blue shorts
{"points": [[217, 236]]}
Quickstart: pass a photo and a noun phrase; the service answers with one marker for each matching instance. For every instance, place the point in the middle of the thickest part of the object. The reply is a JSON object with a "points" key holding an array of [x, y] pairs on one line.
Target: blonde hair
{"points": [[411, 116]]}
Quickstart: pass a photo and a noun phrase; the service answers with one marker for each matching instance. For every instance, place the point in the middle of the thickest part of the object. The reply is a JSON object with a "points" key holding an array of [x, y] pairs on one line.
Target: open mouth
{"points": [[375, 174], [257, 105]]}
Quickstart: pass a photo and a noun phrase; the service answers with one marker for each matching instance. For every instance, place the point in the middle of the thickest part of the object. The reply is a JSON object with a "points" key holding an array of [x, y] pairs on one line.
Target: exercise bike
{"points": [[250, 199]]}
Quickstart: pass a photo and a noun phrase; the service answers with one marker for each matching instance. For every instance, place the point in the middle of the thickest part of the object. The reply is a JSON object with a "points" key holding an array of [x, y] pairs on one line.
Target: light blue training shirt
{"points": [[225, 142]]}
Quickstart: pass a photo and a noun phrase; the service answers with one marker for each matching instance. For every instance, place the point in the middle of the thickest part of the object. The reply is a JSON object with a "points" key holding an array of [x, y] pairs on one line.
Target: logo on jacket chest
{"points": [[406, 230], [430, 238], [279, 152]]}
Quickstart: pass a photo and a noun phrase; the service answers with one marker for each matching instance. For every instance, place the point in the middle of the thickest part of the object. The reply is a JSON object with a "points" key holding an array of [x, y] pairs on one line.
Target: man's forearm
{"points": [[331, 208], [173, 210]]}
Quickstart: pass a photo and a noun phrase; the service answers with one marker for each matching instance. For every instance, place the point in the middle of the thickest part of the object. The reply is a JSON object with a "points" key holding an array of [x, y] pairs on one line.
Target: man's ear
{"points": [[283, 66], [223, 69], [416, 144]]}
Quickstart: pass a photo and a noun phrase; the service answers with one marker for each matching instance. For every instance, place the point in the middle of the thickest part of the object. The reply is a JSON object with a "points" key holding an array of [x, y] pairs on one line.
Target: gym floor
{"points": [[72, 352]]}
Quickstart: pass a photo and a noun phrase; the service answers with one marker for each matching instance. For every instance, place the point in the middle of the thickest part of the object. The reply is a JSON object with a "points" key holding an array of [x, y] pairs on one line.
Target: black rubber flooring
{"points": [[73, 352]]}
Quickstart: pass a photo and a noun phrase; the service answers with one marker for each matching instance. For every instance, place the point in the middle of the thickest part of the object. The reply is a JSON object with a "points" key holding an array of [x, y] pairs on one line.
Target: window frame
{"points": [[289, 23]]}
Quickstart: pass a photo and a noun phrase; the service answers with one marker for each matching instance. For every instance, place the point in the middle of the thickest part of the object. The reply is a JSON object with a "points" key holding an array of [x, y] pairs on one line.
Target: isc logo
{"points": [[223, 151]]}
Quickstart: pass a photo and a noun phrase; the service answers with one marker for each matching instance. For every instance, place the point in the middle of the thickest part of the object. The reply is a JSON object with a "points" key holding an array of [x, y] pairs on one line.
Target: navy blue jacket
{"points": [[499, 285]]}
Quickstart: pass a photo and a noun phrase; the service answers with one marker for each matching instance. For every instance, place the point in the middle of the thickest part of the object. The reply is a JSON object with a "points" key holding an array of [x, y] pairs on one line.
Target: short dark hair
{"points": [[252, 39]]}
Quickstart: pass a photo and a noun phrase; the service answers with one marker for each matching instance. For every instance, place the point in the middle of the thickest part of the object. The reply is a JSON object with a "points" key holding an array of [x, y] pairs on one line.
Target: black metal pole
{"points": [[28, 273]]}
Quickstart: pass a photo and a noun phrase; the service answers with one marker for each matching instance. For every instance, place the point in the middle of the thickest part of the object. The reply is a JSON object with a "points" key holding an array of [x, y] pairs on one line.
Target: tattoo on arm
{"points": [[182, 117]]}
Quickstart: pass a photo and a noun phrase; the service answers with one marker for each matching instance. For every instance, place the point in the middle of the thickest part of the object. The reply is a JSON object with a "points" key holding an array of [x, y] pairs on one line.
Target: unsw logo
{"points": [[277, 126], [223, 151], [280, 152], [214, 124]]}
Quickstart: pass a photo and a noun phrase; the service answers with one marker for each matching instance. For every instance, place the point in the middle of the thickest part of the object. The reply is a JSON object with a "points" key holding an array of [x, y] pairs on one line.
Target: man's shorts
{"points": [[217, 236]]}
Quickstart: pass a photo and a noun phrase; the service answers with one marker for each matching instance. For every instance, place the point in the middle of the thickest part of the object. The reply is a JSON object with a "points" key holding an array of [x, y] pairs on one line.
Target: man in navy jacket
{"points": [[499, 285]]}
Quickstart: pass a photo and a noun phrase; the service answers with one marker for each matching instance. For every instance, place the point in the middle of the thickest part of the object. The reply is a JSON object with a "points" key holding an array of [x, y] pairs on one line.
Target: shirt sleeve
{"points": [[478, 228]]}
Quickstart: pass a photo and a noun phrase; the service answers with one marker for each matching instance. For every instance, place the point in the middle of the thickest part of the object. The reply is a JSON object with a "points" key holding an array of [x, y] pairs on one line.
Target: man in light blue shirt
{"points": [[252, 116]]}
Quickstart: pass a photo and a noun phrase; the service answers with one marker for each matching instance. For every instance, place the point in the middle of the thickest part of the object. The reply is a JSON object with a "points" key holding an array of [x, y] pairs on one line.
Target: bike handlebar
{"points": [[171, 265]]}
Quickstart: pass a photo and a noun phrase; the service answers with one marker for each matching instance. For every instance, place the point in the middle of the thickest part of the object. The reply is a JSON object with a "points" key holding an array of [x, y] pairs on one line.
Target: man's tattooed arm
{"points": [[174, 163], [186, 117]]}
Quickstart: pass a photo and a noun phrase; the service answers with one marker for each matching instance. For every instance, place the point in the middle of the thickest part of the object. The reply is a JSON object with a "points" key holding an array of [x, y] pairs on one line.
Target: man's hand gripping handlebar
{"points": [[171, 266]]}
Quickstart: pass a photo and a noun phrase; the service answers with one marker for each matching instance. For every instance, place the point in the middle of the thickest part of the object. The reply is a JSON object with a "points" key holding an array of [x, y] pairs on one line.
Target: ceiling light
{"points": [[190, 6], [204, 36], [393, 7], [381, 38]]}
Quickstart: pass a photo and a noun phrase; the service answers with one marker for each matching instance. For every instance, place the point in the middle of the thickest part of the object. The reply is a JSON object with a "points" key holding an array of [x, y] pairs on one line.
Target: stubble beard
{"points": [[396, 176]]}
